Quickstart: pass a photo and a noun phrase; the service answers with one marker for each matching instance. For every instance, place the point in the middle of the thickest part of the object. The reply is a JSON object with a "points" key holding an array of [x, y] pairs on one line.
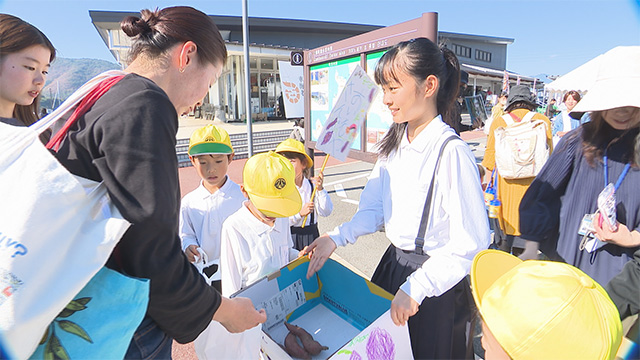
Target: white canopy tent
{"points": [[579, 79]]}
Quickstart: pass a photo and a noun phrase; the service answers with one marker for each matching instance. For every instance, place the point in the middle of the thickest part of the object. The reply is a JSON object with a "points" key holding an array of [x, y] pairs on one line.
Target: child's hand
{"points": [[402, 308], [191, 251], [306, 209], [319, 251], [319, 180]]}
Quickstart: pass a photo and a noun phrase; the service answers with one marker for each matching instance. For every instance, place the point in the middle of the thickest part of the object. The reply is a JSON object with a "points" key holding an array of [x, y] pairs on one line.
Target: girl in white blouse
{"points": [[428, 275], [321, 205]]}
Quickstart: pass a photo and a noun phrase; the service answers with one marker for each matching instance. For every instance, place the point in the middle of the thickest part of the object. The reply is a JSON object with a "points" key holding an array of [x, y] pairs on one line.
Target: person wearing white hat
{"points": [[590, 174]]}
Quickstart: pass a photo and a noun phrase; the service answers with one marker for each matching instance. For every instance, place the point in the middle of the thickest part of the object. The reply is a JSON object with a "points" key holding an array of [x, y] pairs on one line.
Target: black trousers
{"points": [[304, 236], [438, 329]]}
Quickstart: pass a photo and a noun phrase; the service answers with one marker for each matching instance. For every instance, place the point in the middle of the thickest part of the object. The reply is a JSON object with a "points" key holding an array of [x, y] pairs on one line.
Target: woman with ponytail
{"points": [[425, 191], [127, 140]]}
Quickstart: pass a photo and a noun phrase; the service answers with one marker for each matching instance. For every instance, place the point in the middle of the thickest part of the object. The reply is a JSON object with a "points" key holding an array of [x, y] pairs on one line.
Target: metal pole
{"points": [[245, 45]]}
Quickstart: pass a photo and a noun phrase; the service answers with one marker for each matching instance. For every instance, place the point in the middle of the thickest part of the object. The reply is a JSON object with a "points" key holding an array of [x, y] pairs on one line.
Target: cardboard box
{"points": [[342, 310]]}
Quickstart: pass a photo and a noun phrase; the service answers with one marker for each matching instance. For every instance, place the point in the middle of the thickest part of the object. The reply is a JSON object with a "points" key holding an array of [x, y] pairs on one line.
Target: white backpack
{"points": [[521, 148]]}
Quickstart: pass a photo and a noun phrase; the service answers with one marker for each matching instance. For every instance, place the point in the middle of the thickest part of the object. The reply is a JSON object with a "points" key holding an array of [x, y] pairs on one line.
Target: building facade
{"points": [[272, 40]]}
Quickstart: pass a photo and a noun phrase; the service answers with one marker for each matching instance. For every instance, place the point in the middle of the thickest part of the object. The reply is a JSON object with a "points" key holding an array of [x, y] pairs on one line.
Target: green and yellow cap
{"points": [[208, 140]]}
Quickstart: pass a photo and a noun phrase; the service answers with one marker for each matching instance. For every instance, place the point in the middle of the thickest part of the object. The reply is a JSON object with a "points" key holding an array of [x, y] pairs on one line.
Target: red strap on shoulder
{"points": [[84, 106], [515, 118]]}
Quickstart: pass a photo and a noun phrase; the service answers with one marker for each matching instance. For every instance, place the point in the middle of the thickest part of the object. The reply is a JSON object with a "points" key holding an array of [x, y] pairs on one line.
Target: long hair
{"points": [[419, 58], [17, 35], [157, 31], [597, 135]]}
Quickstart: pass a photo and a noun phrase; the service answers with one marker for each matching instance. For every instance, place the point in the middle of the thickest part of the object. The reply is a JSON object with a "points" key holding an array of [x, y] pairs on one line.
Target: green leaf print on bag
{"points": [[54, 349]]}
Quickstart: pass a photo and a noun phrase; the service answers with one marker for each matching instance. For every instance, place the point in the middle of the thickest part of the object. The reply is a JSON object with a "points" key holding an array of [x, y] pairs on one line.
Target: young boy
{"points": [[256, 241], [203, 210]]}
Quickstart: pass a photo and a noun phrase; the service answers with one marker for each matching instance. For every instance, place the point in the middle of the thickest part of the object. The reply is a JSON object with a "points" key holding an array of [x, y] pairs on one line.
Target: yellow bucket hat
{"points": [[269, 179], [293, 145], [210, 139], [544, 309]]}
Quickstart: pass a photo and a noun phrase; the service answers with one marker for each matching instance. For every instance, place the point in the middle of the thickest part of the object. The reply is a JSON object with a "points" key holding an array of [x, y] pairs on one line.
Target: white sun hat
{"points": [[616, 83]]}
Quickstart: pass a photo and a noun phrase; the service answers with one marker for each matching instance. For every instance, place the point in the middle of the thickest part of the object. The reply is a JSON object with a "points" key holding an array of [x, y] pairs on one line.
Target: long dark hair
{"points": [[419, 58], [17, 35], [157, 31], [597, 135]]}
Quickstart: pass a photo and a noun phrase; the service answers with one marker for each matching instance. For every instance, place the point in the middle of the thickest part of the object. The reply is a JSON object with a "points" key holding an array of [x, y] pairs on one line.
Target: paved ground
{"points": [[343, 181]]}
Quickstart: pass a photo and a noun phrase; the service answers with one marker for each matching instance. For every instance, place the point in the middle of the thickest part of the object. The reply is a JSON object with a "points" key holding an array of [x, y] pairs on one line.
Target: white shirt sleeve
{"points": [[369, 217], [461, 220], [323, 204], [186, 230], [296, 219], [230, 260]]}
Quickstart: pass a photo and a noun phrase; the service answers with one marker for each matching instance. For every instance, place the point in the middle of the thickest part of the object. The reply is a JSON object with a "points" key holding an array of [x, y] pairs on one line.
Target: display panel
{"points": [[327, 81], [379, 118]]}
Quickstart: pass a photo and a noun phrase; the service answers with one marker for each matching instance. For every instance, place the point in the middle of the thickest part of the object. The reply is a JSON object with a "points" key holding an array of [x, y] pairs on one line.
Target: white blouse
{"points": [[395, 195], [323, 204]]}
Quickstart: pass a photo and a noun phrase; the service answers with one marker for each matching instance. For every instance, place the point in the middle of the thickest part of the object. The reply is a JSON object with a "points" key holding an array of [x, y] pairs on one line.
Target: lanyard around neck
{"points": [[606, 173]]}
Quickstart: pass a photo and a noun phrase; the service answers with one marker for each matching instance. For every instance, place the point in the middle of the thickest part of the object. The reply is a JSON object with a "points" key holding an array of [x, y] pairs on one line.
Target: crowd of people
{"points": [[425, 191]]}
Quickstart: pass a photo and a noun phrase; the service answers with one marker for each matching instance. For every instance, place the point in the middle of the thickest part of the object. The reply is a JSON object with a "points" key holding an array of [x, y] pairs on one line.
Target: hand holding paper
{"points": [[346, 118]]}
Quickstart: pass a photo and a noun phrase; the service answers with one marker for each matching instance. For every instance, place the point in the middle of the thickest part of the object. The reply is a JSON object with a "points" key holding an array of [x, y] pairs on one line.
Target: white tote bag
{"points": [[56, 231]]}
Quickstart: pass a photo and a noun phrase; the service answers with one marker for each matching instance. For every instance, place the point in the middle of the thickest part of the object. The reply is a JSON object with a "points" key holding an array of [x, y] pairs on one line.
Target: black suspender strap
{"points": [[427, 204], [312, 221]]}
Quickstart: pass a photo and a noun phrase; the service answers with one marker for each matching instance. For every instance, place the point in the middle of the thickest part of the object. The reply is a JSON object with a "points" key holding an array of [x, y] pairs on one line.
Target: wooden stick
{"points": [[313, 194]]}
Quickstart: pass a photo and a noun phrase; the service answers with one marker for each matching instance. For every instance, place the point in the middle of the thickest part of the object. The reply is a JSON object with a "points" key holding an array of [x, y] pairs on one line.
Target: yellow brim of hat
{"points": [[289, 146], [487, 267], [277, 207]]}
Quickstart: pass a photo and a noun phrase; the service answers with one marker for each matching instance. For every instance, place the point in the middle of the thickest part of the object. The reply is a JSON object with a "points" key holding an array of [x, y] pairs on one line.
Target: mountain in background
{"points": [[67, 75]]}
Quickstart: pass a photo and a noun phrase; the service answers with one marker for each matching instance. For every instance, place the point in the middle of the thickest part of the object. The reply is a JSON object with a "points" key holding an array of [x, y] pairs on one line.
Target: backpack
{"points": [[521, 148]]}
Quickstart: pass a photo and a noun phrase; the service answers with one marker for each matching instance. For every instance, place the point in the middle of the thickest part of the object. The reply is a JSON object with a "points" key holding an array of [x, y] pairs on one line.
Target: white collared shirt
{"points": [[322, 203], [252, 249], [202, 214], [395, 195]]}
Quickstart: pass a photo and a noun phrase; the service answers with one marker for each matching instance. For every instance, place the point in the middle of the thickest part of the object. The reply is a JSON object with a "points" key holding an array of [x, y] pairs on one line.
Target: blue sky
{"points": [[551, 37]]}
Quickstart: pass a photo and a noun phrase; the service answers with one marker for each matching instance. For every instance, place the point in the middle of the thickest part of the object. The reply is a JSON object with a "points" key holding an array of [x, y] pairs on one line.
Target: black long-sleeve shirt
{"points": [[127, 139]]}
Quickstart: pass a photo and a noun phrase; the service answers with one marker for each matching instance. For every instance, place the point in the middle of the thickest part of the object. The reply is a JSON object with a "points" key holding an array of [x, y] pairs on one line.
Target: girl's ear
{"points": [[431, 84], [244, 192]]}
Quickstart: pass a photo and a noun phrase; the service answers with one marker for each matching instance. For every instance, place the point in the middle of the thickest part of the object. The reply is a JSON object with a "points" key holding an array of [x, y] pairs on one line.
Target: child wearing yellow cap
{"points": [[542, 310], [302, 236], [203, 210], [256, 241]]}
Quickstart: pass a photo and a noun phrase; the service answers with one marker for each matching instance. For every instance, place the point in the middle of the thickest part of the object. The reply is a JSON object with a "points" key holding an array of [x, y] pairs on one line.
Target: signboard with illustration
{"points": [[346, 119], [327, 81]]}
